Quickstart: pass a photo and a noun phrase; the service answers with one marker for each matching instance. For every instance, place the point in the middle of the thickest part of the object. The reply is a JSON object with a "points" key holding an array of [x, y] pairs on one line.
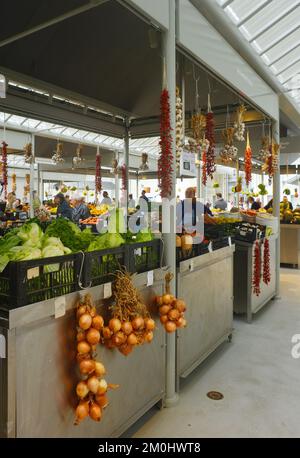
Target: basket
{"points": [[141, 257], [26, 282], [220, 243], [100, 266]]}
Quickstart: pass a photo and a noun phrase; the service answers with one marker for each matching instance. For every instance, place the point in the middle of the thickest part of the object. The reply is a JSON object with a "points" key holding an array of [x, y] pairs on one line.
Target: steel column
{"points": [[276, 205]]}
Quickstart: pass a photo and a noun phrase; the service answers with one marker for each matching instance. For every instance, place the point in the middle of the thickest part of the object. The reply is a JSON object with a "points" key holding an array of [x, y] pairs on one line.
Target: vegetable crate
{"points": [[144, 256], [196, 250], [26, 282], [100, 266]]}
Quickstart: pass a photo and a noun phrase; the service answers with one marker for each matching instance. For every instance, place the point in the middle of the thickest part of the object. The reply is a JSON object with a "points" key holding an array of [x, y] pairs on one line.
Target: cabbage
{"points": [[51, 251], [116, 222], [105, 241], [30, 231], [20, 253], [32, 244]]}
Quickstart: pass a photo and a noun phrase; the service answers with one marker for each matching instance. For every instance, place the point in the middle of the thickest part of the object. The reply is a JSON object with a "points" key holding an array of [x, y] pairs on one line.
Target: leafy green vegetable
{"points": [[32, 232], [116, 222], [70, 235], [105, 241]]}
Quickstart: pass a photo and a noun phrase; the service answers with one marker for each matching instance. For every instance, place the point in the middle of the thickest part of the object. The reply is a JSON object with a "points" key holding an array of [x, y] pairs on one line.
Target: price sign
{"points": [[150, 278], [59, 306], [107, 290]]}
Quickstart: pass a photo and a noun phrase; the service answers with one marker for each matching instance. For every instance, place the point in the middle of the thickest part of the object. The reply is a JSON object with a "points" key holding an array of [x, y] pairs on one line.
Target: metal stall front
{"points": [[206, 284], [38, 371]]}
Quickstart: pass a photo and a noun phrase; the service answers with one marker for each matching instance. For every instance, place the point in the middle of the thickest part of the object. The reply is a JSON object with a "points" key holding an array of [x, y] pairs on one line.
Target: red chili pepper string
{"points": [[248, 165], [204, 167], [210, 154], [124, 177], [266, 270], [165, 161], [256, 269], [4, 168], [270, 163], [98, 177]]}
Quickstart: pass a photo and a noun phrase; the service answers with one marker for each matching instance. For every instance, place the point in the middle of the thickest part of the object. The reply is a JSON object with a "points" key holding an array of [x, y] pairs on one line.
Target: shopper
{"points": [[286, 201], [189, 212], [11, 197], [106, 199], [17, 205], [220, 204], [80, 210], [63, 208], [131, 201], [252, 205]]}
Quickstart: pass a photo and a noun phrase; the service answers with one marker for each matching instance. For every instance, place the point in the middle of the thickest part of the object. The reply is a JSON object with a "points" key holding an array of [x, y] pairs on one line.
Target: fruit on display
{"points": [[92, 388], [171, 309], [98, 210], [130, 324]]}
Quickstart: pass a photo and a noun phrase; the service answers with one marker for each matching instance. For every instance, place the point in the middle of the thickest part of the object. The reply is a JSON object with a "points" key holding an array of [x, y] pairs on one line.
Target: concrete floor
{"points": [[256, 373]]}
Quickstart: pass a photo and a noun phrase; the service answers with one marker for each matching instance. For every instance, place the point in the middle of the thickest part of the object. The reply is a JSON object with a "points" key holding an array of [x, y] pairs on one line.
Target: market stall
{"points": [[46, 310]]}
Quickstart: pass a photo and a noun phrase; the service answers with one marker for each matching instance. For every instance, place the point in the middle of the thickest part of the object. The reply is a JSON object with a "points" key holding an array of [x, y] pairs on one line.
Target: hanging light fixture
{"points": [[144, 164], [78, 159], [57, 157]]}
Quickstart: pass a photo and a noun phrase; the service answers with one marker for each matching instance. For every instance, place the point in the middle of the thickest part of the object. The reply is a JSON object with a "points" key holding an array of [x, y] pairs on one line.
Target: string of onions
{"points": [[171, 310], [92, 388], [130, 324]]}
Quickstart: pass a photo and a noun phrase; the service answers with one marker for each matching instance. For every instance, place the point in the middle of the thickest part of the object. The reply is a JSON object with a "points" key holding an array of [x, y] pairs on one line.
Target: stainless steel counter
{"points": [[206, 284], [38, 374], [290, 244]]}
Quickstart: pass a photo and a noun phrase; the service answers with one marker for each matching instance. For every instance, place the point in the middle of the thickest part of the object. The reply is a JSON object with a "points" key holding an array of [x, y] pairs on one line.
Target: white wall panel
{"points": [[200, 38]]}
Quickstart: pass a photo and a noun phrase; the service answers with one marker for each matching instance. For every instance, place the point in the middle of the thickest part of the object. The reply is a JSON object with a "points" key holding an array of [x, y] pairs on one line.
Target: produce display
{"points": [[96, 210], [248, 162], [130, 324], [3, 168], [171, 310], [29, 242], [256, 269], [166, 156], [92, 389], [288, 216], [261, 265]]}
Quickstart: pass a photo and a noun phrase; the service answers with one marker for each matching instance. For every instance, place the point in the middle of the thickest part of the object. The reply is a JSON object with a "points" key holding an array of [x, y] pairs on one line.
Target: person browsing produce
{"points": [[220, 204], [80, 210], [63, 208], [106, 199]]}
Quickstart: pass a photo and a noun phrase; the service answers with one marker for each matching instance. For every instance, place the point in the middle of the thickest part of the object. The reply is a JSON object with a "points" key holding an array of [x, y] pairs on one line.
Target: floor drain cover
{"points": [[215, 395]]}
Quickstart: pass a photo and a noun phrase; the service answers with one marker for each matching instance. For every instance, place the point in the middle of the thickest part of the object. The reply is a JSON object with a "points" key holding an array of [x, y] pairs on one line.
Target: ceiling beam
{"points": [[81, 9]]}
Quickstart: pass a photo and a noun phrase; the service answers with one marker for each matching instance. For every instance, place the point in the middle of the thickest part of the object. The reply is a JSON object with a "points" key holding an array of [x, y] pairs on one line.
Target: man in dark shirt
{"points": [[63, 208]]}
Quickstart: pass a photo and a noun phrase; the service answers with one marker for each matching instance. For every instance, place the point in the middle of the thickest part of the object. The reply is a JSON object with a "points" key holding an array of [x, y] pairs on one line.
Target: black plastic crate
{"points": [[197, 250], [100, 266], [141, 257], [26, 282], [220, 243]]}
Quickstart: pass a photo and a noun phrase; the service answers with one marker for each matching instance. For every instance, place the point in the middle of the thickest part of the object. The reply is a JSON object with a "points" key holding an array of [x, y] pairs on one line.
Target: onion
{"points": [[173, 315], [98, 322], [116, 340], [93, 312], [80, 336], [81, 310], [87, 366], [163, 319], [186, 242], [159, 301], [180, 305], [181, 322], [132, 339], [164, 310], [93, 384], [127, 328], [95, 412], [93, 336], [178, 241], [102, 386], [82, 411], [85, 321], [115, 325], [83, 347], [109, 344], [82, 389], [121, 336], [125, 349], [138, 323], [99, 369], [170, 326], [167, 299], [107, 333], [149, 336], [101, 400], [149, 324]]}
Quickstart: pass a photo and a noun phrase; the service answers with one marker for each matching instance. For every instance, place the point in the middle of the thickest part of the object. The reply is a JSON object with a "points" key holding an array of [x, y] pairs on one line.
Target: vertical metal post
{"points": [[276, 205], [137, 188], [117, 191], [169, 51], [32, 177], [126, 158]]}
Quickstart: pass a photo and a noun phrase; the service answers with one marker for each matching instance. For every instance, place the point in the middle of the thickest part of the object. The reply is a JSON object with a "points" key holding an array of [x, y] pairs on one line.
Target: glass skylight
{"points": [[272, 28]]}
